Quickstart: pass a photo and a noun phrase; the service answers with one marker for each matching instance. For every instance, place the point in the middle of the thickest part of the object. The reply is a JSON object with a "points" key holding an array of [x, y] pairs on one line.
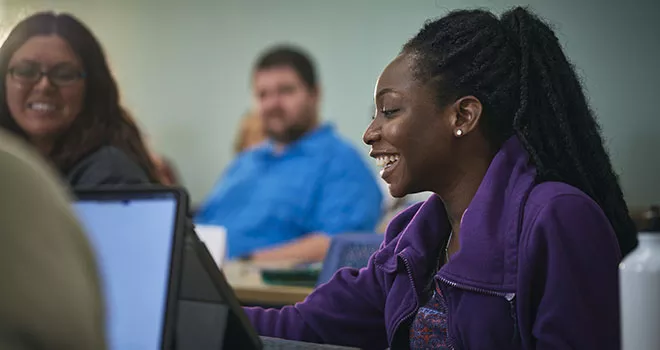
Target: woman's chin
{"points": [[41, 129], [397, 191]]}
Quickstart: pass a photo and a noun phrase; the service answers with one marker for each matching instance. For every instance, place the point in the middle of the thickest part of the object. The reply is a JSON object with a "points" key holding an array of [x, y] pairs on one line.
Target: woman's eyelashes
{"points": [[389, 112]]}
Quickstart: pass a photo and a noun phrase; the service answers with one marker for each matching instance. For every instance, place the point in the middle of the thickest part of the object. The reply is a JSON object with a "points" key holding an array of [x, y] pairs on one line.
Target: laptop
{"points": [[162, 286], [210, 316], [138, 238]]}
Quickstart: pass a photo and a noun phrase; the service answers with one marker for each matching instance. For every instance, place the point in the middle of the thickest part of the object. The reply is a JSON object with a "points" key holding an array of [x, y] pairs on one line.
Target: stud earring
{"points": [[459, 133]]}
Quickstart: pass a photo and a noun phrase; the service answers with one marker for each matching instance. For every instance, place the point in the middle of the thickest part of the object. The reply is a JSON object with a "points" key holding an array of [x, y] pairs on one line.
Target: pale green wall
{"points": [[183, 66]]}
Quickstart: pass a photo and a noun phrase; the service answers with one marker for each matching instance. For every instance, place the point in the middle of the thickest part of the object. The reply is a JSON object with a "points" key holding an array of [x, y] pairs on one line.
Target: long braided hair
{"points": [[516, 67]]}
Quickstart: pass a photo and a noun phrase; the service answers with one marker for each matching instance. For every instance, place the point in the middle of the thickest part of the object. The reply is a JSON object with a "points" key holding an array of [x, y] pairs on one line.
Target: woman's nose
{"points": [[372, 134]]}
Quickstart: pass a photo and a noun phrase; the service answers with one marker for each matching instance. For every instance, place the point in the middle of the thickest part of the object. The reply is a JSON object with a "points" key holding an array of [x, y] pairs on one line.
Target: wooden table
{"points": [[249, 287]]}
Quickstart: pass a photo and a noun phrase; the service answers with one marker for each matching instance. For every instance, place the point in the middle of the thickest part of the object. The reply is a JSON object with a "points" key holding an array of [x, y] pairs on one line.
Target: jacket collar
{"points": [[488, 254]]}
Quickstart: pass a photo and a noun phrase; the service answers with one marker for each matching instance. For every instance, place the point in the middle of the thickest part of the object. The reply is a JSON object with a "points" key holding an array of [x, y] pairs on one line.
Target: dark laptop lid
{"points": [[138, 237], [210, 316]]}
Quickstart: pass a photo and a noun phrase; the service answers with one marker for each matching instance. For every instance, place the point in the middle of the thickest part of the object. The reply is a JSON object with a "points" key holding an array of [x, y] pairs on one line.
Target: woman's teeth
{"points": [[41, 107], [386, 161]]}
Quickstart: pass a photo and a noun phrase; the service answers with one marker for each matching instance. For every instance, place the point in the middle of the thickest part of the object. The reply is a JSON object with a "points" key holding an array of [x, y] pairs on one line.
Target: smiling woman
{"points": [[59, 95], [518, 246]]}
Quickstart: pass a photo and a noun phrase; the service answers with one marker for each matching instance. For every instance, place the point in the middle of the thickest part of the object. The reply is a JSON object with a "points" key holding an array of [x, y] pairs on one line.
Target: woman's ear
{"points": [[467, 111]]}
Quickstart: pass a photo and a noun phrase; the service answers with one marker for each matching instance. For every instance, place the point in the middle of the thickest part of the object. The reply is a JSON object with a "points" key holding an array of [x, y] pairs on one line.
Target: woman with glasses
{"points": [[59, 95]]}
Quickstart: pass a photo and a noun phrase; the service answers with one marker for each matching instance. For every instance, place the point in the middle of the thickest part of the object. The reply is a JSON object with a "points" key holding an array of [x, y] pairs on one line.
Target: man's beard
{"points": [[290, 134]]}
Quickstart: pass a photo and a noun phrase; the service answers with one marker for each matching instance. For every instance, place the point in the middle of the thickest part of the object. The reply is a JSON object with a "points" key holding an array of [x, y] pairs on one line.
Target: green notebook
{"points": [[304, 275]]}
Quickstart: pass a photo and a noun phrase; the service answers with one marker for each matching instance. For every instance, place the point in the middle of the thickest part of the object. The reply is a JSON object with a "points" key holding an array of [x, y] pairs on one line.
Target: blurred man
{"points": [[285, 198]]}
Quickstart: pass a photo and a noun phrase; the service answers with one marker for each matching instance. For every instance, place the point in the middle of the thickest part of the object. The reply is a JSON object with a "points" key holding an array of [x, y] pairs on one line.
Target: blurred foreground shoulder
{"points": [[50, 295]]}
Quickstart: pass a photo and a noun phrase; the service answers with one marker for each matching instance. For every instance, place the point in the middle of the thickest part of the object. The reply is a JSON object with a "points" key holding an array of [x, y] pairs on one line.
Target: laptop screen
{"points": [[133, 241]]}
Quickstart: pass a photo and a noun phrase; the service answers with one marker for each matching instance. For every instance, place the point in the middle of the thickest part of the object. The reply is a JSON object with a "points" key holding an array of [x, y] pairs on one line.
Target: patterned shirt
{"points": [[429, 328]]}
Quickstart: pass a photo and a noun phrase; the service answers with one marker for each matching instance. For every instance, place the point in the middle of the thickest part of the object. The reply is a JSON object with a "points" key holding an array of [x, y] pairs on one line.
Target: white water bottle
{"points": [[639, 284]]}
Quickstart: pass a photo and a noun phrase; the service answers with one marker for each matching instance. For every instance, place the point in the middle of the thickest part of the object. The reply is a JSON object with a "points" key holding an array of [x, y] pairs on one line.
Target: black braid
{"points": [[517, 69]]}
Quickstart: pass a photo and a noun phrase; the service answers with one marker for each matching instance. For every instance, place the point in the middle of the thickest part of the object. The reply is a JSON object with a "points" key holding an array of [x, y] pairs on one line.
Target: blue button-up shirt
{"points": [[318, 184]]}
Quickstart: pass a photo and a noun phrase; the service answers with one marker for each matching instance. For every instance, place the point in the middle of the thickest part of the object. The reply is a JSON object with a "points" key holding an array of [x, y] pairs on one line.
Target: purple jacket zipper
{"points": [[412, 283], [510, 297]]}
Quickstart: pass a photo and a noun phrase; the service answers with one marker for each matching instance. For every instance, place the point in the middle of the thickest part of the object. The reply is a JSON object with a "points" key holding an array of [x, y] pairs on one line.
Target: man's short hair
{"points": [[289, 56]]}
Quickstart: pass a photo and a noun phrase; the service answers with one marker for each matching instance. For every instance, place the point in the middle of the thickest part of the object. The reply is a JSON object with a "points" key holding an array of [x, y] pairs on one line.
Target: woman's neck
{"points": [[43, 145], [458, 196]]}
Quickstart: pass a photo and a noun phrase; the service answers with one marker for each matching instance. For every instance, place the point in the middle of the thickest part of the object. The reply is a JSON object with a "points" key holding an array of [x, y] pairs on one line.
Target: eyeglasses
{"points": [[62, 75]]}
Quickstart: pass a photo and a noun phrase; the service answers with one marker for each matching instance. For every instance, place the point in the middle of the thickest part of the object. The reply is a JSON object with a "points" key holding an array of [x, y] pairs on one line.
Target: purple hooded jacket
{"points": [[536, 269]]}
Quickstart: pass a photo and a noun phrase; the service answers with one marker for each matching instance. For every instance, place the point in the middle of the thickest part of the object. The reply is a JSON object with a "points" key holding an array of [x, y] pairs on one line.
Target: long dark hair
{"points": [[516, 67], [102, 121]]}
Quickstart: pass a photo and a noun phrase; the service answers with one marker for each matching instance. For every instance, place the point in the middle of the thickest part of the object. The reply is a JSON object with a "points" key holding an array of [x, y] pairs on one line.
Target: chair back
{"points": [[349, 250]]}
